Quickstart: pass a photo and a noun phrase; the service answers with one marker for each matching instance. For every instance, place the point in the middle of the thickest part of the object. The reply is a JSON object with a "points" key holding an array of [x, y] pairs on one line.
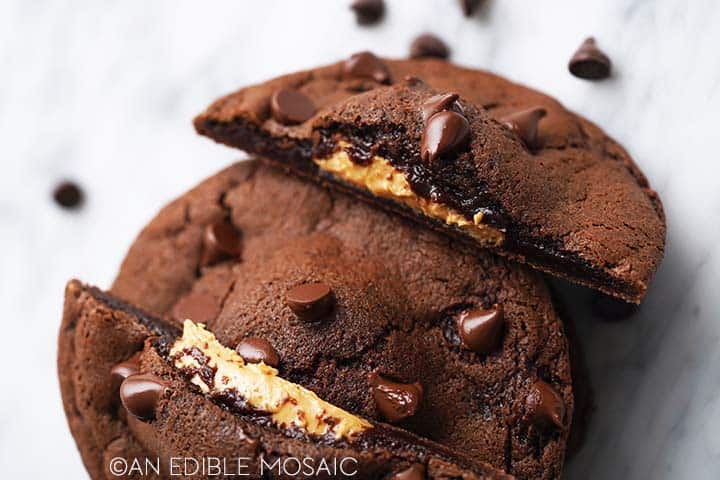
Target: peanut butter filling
{"points": [[259, 385], [384, 180]]}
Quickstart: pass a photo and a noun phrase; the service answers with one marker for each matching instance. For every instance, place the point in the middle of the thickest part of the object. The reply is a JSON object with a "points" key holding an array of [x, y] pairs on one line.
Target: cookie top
{"points": [[514, 171], [362, 307]]}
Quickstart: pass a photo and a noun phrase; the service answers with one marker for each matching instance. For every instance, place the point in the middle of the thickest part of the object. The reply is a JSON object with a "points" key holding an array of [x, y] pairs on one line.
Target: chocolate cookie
{"points": [[134, 388], [378, 316], [494, 164]]}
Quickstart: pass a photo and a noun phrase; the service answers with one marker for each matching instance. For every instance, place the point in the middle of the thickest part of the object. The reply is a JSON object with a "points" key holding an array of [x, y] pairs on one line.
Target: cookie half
{"points": [[494, 164], [135, 388], [356, 304]]}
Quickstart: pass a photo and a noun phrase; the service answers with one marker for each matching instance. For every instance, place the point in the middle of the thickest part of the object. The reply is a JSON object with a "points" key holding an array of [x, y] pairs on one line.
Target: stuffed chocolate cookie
{"points": [[377, 316], [494, 164]]}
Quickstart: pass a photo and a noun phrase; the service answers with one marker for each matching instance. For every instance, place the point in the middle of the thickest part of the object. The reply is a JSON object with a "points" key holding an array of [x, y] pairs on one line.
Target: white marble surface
{"points": [[104, 91]]}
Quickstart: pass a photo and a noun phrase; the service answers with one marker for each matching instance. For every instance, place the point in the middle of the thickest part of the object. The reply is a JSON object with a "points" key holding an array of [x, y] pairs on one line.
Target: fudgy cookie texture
{"points": [[461, 349], [491, 162], [100, 333]]}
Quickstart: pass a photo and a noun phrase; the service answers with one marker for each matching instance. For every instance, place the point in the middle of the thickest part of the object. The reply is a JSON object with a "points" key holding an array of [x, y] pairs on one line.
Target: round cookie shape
{"points": [[398, 291]]}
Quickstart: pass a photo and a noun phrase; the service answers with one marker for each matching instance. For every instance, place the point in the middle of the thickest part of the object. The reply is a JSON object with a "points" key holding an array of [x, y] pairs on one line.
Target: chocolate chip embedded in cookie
{"points": [[367, 65], [518, 173], [140, 394], [256, 350], [398, 290], [310, 301], [196, 397], [481, 330], [221, 241], [396, 401]]}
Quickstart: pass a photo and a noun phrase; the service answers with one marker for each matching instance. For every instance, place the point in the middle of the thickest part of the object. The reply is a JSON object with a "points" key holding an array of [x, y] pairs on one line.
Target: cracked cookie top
{"points": [[382, 318]]}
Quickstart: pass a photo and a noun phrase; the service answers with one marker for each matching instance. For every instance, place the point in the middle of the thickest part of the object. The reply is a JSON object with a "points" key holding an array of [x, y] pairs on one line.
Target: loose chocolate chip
{"points": [[438, 103], [589, 62], [428, 45], [525, 124], [123, 370], [546, 405], [68, 195], [140, 394], [481, 330], [415, 472], [611, 308], [396, 401], [199, 307], [256, 350], [290, 106], [444, 133], [220, 241], [367, 65], [368, 11], [469, 6], [310, 301]]}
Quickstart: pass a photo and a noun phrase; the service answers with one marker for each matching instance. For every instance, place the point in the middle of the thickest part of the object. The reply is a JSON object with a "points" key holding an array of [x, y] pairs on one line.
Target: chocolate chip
{"points": [[68, 195], [525, 124], [121, 371], [256, 350], [413, 81], [415, 472], [589, 62], [290, 106], [396, 401], [428, 45], [546, 405], [310, 301], [199, 307], [140, 394], [469, 6], [220, 241], [444, 133], [368, 11], [367, 65], [481, 330], [438, 103]]}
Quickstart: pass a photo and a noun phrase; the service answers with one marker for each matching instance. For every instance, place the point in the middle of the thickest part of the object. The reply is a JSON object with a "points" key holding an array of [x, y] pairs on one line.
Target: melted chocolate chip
{"points": [[589, 62], [368, 11], [256, 350], [290, 106], [438, 103], [121, 371], [414, 472], [428, 45], [220, 241], [68, 195], [481, 330], [200, 307], [445, 132], [525, 124], [366, 65], [396, 401], [546, 405], [310, 301], [140, 394], [469, 6]]}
